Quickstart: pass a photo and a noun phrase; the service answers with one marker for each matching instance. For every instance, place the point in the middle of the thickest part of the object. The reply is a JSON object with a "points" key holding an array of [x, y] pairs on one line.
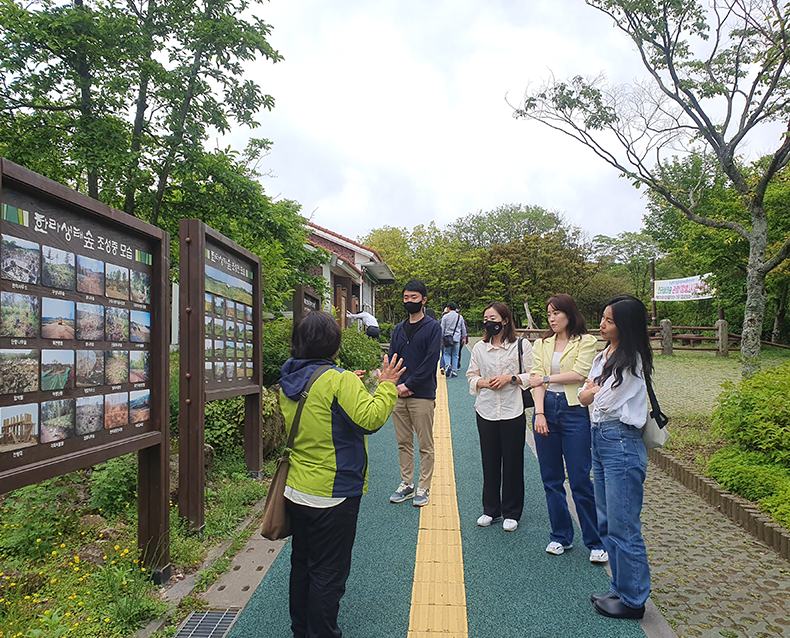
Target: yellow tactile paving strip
{"points": [[438, 597]]}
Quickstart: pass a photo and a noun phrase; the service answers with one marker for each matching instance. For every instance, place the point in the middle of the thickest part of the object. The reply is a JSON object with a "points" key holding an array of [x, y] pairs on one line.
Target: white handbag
{"points": [[655, 433]]}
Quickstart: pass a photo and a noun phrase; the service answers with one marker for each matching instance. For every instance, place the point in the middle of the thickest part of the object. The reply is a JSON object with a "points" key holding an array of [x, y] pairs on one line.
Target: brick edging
{"points": [[734, 507]]}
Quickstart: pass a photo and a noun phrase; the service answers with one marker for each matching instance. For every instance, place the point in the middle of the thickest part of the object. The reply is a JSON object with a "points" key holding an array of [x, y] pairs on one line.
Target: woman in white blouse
{"points": [[494, 377], [618, 392]]}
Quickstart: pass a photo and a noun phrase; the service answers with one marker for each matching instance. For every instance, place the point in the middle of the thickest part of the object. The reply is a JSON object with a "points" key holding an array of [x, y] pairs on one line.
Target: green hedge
{"points": [[754, 414]]}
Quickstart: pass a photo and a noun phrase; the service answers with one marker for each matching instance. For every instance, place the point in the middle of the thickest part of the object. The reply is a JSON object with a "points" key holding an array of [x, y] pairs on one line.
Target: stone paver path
{"points": [[710, 578]]}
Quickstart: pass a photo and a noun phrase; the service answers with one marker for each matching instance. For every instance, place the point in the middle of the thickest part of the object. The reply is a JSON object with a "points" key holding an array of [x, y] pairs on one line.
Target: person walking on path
{"points": [[418, 341], [454, 336], [329, 467], [617, 389], [495, 379], [561, 362], [369, 321]]}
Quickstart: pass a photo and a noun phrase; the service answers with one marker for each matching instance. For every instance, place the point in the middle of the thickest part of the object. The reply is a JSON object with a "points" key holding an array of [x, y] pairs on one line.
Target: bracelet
{"points": [[539, 414]]}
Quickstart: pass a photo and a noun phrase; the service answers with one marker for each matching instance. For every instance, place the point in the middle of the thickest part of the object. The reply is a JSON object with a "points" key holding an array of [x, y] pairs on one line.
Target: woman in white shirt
{"points": [[618, 392], [561, 362], [494, 377]]}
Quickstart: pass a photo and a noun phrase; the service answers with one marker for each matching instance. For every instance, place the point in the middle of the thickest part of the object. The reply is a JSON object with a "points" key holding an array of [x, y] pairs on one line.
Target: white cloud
{"points": [[394, 112]]}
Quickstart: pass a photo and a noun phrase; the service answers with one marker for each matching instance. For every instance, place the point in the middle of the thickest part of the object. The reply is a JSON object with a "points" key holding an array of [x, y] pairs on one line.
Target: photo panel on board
{"points": [[116, 410], [57, 370], [57, 420], [90, 275], [90, 322], [20, 260], [90, 368], [140, 287], [139, 366], [20, 315], [116, 281], [139, 406], [57, 319], [90, 414], [20, 426], [140, 327], [116, 324], [57, 268], [19, 372], [116, 367]]}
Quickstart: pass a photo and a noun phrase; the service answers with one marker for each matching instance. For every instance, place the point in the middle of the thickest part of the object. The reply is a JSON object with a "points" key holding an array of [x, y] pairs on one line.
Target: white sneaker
{"points": [[599, 556], [510, 525], [557, 548], [485, 520]]}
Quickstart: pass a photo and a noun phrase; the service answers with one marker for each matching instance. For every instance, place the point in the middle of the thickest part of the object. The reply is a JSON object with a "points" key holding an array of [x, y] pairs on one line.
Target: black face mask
{"points": [[493, 328], [412, 307]]}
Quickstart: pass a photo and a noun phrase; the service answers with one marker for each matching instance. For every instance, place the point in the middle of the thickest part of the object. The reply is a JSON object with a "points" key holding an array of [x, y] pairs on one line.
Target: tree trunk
{"points": [[754, 313], [139, 118], [86, 109], [779, 317]]}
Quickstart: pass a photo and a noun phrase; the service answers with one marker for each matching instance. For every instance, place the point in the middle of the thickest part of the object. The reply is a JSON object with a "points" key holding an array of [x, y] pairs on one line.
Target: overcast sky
{"points": [[394, 112]]}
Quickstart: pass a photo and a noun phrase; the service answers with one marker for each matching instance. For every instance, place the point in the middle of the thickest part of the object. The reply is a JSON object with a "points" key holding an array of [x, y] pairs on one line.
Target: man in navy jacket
{"points": [[418, 341]]}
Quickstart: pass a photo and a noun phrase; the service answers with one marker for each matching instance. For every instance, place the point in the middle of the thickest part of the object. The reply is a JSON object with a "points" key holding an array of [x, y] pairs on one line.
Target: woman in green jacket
{"points": [[561, 361], [329, 467]]}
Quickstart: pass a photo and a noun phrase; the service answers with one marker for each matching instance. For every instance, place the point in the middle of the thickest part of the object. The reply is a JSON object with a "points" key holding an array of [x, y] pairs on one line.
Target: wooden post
{"points": [[666, 336], [723, 343], [191, 396]]}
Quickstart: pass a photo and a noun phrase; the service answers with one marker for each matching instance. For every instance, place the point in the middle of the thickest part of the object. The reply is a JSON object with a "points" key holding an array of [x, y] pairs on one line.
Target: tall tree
{"points": [[716, 74], [504, 224], [633, 252]]}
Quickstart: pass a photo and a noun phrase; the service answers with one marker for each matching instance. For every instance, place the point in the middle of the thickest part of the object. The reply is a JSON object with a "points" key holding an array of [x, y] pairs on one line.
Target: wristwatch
{"points": [[546, 379], [514, 379]]}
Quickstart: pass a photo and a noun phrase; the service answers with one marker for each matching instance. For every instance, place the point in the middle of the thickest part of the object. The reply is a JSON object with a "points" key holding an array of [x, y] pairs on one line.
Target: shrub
{"points": [[358, 351], [276, 347], [777, 506], [386, 329], [750, 474], [114, 484], [225, 424], [754, 414]]}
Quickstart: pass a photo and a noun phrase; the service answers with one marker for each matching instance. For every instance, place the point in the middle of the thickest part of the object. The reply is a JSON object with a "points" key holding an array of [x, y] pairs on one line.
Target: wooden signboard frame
{"points": [[79, 235], [205, 251]]}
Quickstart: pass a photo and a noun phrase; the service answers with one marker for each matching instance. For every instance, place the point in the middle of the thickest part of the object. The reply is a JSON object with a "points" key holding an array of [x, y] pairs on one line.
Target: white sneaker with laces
{"points": [[510, 525], [484, 521], [599, 556], [557, 548]]}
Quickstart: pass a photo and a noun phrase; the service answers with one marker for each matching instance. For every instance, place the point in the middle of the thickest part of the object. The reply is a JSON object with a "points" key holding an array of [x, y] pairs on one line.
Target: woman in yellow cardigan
{"points": [[561, 362]]}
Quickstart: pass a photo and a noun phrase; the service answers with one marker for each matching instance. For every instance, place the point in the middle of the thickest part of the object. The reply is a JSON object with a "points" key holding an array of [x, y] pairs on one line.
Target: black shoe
{"points": [[608, 594], [613, 608]]}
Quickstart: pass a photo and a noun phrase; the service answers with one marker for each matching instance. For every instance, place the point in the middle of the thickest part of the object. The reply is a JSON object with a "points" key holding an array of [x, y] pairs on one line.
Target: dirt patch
{"points": [[54, 330]]}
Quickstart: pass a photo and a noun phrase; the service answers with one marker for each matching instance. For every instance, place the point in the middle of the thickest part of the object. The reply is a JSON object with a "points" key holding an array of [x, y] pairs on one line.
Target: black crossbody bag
{"points": [[526, 393]]}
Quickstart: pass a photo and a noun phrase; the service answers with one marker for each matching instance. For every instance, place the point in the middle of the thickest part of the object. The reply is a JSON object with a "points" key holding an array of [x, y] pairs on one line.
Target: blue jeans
{"points": [[450, 356], [619, 468], [568, 437]]}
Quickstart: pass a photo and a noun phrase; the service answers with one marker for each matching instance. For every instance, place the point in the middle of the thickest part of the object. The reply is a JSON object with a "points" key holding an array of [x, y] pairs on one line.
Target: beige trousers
{"points": [[412, 416]]}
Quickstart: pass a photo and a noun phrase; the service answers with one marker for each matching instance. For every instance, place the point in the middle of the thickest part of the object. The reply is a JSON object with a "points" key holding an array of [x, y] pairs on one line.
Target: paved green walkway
{"points": [[513, 588]]}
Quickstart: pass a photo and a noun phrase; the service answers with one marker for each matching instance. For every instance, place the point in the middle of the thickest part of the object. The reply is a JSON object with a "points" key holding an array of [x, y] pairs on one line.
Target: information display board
{"points": [[220, 317], [83, 332]]}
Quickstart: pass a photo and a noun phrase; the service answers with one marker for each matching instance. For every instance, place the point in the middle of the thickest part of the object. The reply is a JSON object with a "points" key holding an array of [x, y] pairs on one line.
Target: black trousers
{"points": [[502, 451], [320, 564], [373, 332]]}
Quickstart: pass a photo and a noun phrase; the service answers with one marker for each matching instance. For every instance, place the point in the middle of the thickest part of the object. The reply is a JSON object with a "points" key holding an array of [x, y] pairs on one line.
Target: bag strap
{"points": [[295, 426], [660, 418], [520, 371]]}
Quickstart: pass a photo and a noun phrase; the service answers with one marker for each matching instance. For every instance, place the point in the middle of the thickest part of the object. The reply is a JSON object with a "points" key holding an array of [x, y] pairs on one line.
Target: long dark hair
{"points": [[508, 329], [577, 326], [630, 317]]}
